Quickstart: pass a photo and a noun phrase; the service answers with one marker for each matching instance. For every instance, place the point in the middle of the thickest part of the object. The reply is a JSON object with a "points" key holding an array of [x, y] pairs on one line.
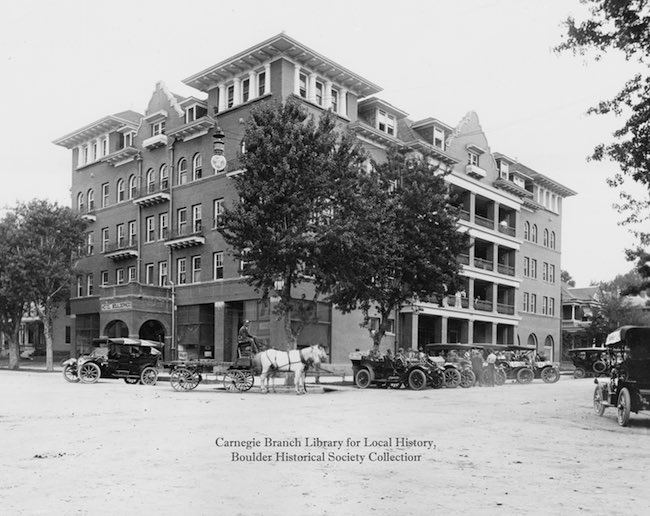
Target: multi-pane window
{"points": [[85, 154], [80, 287], [163, 226], [527, 230], [526, 267], [89, 285], [245, 90], [439, 138], [197, 167], [105, 193], [533, 303], [94, 151], [335, 101], [319, 93], [533, 233], [158, 128], [91, 200], [90, 242], [182, 171], [196, 218], [133, 187], [230, 96], [131, 273], [120, 190], [121, 236], [164, 178], [103, 278], [162, 274], [119, 276], [545, 238], [303, 86], [544, 305], [196, 269], [181, 221], [80, 202], [128, 139], [544, 271], [149, 273], [551, 273], [386, 122], [132, 233], [551, 242], [181, 271], [217, 259], [526, 299], [151, 229], [105, 146], [151, 181], [105, 237], [472, 158], [533, 268], [261, 84], [217, 221], [551, 306]]}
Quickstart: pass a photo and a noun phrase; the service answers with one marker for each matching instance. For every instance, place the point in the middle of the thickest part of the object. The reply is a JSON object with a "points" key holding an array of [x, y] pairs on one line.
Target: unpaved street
{"points": [[111, 448]]}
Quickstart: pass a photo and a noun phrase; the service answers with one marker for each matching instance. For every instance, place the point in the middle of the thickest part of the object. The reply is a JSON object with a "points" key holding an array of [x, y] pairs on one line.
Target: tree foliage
{"points": [[400, 243], [296, 171], [623, 26]]}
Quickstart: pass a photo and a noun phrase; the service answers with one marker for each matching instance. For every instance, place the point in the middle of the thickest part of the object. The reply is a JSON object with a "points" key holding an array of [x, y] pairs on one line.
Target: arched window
{"points": [[80, 202], [151, 181], [133, 187], [164, 178], [548, 348], [120, 190], [552, 241], [182, 171], [532, 340], [197, 167], [91, 200], [533, 233], [527, 231], [546, 243]]}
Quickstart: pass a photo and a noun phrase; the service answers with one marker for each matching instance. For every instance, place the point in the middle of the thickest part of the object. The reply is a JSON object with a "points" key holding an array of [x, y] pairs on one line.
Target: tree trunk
{"points": [[49, 355], [14, 350]]}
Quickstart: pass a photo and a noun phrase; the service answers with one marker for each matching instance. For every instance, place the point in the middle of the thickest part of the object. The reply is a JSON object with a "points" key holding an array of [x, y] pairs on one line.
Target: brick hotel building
{"points": [[156, 265]]}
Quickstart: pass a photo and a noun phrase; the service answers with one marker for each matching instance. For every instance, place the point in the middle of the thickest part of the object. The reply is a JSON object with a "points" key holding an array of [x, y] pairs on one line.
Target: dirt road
{"points": [[112, 448]]}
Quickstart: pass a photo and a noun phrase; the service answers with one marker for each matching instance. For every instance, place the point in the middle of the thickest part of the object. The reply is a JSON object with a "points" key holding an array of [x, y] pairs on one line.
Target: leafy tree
{"points": [[296, 170], [565, 277], [623, 26], [397, 242], [51, 237], [613, 312], [14, 291]]}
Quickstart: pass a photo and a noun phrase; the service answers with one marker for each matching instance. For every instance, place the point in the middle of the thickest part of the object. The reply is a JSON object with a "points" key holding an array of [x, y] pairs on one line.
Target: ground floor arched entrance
{"points": [[116, 329]]}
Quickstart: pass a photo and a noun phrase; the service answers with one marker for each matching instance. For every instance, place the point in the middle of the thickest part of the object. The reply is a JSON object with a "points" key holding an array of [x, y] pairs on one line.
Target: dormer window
{"points": [[504, 169], [439, 138], [194, 112], [386, 122], [127, 139], [158, 128], [473, 158]]}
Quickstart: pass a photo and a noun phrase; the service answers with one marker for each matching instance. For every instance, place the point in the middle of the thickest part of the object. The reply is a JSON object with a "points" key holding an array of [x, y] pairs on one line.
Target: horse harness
{"points": [[307, 363]]}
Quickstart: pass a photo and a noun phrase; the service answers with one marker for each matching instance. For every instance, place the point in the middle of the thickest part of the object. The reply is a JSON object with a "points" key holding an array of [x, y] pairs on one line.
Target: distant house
{"points": [[578, 307]]}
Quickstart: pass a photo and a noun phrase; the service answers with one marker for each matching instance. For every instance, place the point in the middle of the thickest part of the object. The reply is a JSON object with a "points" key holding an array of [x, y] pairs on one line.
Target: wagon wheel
{"points": [[500, 377], [149, 376], [599, 407], [89, 372], [131, 381], [363, 378], [579, 373], [417, 379], [467, 378], [70, 373], [525, 375], [183, 379], [452, 378], [599, 366], [550, 374], [238, 380], [623, 407]]}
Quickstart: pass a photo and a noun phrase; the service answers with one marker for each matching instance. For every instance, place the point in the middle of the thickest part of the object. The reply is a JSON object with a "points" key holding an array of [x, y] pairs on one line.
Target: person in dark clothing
{"points": [[477, 366], [245, 337]]}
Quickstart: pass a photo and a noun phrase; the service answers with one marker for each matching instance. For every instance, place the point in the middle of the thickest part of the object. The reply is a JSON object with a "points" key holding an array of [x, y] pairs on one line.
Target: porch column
{"points": [[494, 333], [267, 78], [252, 86], [470, 331], [311, 89], [296, 80], [443, 329], [222, 97], [495, 298], [236, 82], [327, 101], [414, 330], [472, 206], [219, 325], [343, 102]]}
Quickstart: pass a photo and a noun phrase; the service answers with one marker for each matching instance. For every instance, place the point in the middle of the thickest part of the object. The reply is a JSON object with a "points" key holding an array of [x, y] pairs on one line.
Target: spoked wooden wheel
{"points": [[452, 378], [624, 407], [89, 372], [183, 379], [240, 381], [599, 407], [467, 378]]}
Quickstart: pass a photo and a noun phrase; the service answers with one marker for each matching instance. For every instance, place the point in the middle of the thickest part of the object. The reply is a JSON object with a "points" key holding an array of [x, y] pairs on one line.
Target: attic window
{"points": [[439, 138], [386, 122], [194, 112]]}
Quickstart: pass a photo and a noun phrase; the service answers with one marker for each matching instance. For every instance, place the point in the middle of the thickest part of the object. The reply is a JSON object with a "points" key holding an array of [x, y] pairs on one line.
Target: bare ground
{"points": [[111, 448]]}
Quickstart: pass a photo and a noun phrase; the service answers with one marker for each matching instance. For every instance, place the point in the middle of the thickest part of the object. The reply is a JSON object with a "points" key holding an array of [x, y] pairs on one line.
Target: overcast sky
{"points": [[64, 64]]}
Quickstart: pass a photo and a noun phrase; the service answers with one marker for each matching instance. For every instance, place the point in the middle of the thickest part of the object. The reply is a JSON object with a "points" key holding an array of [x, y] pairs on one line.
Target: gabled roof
{"points": [[545, 181], [99, 127], [273, 48]]}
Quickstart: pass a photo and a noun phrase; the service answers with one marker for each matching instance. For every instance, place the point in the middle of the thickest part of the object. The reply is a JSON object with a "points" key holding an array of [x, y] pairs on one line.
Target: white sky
{"points": [[64, 64]]}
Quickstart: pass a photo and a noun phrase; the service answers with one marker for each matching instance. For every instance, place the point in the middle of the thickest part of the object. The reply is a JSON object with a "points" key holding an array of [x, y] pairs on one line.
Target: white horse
{"points": [[273, 360]]}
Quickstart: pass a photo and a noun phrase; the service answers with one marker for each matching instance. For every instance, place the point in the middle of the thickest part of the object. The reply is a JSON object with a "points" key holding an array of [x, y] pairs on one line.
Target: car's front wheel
{"points": [[149, 376], [363, 378], [70, 373], [623, 407], [599, 407], [452, 378], [417, 379], [525, 375], [467, 378], [579, 373], [89, 372], [550, 375]]}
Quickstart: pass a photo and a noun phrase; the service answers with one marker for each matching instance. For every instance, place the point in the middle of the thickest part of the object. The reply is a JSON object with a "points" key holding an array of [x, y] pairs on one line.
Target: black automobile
{"points": [[628, 386], [524, 364], [589, 361], [134, 360], [411, 370]]}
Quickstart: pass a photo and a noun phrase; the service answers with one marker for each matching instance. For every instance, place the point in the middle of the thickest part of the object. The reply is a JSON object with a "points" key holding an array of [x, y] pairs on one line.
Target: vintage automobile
{"points": [[523, 364], [589, 361], [412, 371], [628, 386], [134, 360], [456, 364]]}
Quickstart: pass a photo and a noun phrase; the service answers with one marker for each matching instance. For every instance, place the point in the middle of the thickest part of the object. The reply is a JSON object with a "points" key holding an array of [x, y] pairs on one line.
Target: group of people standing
{"points": [[485, 373]]}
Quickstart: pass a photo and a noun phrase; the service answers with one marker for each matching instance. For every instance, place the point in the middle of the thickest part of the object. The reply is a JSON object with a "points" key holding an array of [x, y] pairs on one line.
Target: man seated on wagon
{"points": [[246, 341]]}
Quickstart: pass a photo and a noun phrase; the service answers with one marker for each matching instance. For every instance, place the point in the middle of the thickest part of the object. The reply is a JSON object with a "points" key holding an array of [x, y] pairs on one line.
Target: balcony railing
{"points": [[504, 308], [464, 214], [509, 270], [121, 250], [480, 263], [480, 304], [463, 258], [186, 236], [153, 193], [484, 221], [457, 301], [507, 230]]}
